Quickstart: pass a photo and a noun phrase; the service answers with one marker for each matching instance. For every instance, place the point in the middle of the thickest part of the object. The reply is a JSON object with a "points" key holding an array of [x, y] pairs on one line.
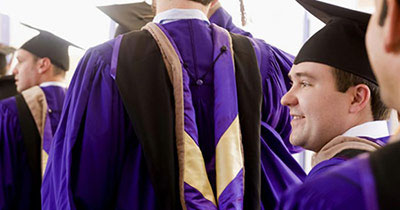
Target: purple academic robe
{"points": [[15, 175], [275, 65], [349, 186], [326, 165], [368, 182], [96, 160]]}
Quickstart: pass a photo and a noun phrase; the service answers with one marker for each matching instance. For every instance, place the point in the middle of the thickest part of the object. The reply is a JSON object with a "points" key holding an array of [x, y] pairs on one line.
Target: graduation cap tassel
{"points": [[243, 13]]}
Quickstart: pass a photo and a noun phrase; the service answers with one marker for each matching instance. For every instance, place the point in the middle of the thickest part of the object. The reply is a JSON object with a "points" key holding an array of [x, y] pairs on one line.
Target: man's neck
{"points": [[163, 5]]}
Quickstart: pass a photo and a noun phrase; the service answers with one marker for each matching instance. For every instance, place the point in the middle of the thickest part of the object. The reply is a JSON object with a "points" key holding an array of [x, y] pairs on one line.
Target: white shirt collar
{"points": [[179, 14], [373, 129], [59, 84]]}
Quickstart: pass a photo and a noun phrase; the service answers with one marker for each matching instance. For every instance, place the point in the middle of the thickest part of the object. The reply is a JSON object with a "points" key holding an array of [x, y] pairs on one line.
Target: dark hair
{"points": [[345, 80], [204, 2], [3, 65]]}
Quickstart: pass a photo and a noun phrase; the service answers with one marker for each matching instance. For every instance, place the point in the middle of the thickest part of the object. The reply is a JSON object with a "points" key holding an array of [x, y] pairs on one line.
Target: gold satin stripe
{"points": [[45, 157], [229, 156], [195, 170]]}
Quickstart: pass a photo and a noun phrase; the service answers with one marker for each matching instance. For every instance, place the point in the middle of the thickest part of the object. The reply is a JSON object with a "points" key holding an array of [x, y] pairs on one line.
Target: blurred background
{"points": [[282, 23]]}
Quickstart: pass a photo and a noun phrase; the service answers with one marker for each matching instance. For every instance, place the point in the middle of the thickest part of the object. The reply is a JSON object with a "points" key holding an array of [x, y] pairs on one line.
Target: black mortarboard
{"points": [[5, 50], [129, 16], [341, 43], [51, 46]]}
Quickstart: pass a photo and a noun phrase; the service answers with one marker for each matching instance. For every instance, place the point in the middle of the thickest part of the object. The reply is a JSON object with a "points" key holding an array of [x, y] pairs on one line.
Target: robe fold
{"points": [[18, 187], [275, 65], [97, 160]]}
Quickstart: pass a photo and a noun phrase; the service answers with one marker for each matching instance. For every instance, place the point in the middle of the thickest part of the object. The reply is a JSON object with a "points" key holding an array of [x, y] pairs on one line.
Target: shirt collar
{"points": [[179, 14], [373, 129], [59, 84]]}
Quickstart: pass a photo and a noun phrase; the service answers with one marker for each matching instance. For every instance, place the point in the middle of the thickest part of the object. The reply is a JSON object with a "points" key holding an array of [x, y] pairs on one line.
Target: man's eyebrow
{"points": [[300, 74]]}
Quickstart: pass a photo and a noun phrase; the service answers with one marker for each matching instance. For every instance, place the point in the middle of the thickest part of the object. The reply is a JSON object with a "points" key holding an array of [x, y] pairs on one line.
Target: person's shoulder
{"points": [[323, 167], [102, 51], [339, 188]]}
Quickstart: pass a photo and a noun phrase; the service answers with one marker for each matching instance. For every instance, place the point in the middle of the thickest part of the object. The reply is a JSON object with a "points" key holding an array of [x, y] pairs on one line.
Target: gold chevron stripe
{"points": [[229, 156], [195, 170]]}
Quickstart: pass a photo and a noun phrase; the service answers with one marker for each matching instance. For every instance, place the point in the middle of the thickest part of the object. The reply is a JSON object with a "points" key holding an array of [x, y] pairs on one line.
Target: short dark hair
{"points": [[345, 80], [204, 2], [3, 65]]}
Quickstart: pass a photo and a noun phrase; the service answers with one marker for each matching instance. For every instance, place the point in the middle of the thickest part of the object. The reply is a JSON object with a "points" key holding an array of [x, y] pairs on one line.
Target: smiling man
{"points": [[370, 181], [334, 100]]}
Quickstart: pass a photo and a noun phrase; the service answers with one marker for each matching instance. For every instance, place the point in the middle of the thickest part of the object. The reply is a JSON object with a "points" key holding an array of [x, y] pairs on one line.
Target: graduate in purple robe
{"points": [[335, 100], [372, 181], [118, 144], [29, 120]]}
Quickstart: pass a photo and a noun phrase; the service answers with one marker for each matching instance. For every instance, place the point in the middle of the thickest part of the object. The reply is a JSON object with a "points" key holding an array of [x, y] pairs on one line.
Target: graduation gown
{"points": [[7, 87], [275, 65], [342, 149], [18, 188], [101, 165], [370, 181]]}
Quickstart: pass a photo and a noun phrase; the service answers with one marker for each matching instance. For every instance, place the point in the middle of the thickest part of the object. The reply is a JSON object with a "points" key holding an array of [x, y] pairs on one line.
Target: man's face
{"points": [[319, 111], [26, 70], [384, 72]]}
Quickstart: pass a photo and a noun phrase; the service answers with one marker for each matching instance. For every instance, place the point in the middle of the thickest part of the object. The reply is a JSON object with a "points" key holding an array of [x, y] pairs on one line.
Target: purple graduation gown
{"points": [[349, 186], [275, 66], [326, 165], [96, 161], [15, 182]]}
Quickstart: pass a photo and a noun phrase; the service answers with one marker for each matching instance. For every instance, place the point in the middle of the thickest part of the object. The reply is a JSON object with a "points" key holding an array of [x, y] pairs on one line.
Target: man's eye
{"points": [[305, 84]]}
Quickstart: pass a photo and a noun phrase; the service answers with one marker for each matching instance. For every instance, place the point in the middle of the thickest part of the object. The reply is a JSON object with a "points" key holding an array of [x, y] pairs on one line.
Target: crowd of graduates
{"points": [[185, 110]]}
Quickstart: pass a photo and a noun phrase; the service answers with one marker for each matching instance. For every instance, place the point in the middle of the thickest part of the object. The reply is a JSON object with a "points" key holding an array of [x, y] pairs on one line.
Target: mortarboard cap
{"points": [[46, 44], [341, 43], [129, 16], [5, 50]]}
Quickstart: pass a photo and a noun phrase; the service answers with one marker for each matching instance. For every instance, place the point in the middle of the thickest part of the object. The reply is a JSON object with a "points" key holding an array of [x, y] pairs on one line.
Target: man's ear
{"points": [[392, 27], [360, 97], [44, 65]]}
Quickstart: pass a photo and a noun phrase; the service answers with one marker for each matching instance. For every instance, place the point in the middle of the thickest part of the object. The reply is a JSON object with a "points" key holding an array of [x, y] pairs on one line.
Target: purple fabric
{"points": [[190, 126], [222, 18], [225, 95], [99, 165], [380, 141], [275, 66], [326, 165], [368, 183], [229, 198], [191, 37], [15, 175], [225, 99], [338, 188], [55, 99], [114, 61], [195, 200]]}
